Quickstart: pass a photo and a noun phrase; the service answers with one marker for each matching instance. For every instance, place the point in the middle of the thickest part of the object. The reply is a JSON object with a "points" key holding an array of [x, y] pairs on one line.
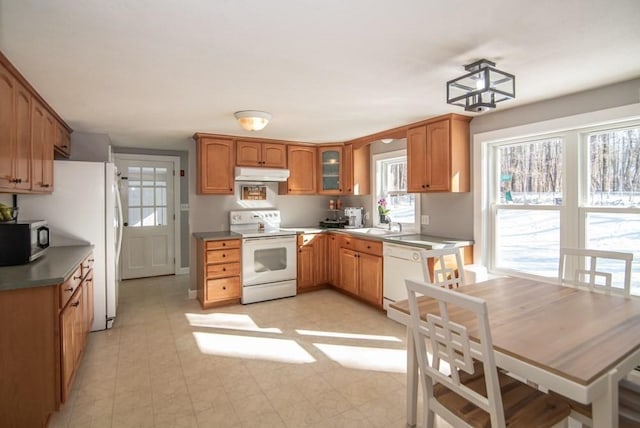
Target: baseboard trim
{"points": [[182, 271]]}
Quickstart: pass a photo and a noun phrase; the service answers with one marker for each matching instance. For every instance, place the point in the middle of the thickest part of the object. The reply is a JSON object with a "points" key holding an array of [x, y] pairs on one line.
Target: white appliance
{"points": [[85, 208], [355, 217], [400, 262], [268, 255], [261, 174]]}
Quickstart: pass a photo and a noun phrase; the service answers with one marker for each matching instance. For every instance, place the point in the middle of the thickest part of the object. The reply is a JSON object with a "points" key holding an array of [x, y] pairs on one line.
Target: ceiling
{"points": [[150, 73]]}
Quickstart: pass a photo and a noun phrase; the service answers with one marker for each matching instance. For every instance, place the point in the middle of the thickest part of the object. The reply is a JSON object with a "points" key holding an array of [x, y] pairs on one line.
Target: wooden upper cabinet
{"points": [[215, 166], [331, 170], [15, 134], [42, 130], [357, 170], [258, 154], [438, 156], [302, 171], [62, 142], [29, 128]]}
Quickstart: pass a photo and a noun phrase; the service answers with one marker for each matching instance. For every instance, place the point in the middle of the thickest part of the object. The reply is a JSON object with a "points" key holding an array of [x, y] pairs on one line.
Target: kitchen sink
{"points": [[374, 231]]}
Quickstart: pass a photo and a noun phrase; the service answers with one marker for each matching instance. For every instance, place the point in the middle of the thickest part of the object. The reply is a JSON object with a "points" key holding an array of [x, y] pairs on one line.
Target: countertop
{"points": [[408, 238], [216, 236], [56, 265], [412, 239]]}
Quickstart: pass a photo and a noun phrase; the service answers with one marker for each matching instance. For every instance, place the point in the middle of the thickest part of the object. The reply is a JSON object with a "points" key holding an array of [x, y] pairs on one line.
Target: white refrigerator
{"points": [[85, 208]]}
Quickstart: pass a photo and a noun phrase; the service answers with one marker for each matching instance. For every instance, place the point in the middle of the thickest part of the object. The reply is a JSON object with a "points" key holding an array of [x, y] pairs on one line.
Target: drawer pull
{"points": [[68, 289], [224, 244], [77, 277], [75, 304], [224, 287], [224, 255], [91, 260], [224, 269], [85, 267]]}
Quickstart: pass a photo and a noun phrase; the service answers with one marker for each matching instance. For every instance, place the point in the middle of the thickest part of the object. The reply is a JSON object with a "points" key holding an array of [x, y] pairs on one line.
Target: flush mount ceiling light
{"points": [[252, 120], [386, 140], [481, 88]]}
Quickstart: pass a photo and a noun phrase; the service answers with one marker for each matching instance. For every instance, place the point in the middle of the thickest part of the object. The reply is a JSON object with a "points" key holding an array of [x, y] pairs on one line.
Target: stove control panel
{"points": [[271, 217]]}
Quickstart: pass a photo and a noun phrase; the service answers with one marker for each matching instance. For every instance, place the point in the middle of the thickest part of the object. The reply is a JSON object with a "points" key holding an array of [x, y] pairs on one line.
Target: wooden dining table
{"points": [[572, 341]]}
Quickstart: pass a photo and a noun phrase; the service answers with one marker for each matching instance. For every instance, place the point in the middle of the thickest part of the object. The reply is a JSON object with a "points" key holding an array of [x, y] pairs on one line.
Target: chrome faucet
{"points": [[398, 223]]}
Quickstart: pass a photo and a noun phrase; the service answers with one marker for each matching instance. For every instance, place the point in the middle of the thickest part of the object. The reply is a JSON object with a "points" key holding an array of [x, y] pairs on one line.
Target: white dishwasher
{"points": [[400, 262]]}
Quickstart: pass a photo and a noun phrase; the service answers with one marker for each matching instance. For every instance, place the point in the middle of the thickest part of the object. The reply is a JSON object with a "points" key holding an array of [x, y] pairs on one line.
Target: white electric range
{"points": [[268, 255]]}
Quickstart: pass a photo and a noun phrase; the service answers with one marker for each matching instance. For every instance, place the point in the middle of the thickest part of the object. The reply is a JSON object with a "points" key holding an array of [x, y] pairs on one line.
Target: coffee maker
{"points": [[355, 218]]}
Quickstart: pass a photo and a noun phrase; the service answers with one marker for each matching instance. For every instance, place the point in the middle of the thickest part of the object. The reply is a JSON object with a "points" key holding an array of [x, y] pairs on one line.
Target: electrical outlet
{"points": [[424, 219]]}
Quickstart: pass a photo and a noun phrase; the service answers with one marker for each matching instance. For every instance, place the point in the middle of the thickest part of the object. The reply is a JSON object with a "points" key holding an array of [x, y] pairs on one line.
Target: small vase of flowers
{"points": [[383, 211]]}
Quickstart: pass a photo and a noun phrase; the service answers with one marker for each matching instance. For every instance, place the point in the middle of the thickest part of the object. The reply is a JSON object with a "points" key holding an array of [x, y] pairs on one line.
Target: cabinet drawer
{"points": [[220, 245], [68, 287], [348, 242], [223, 256], [87, 265], [369, 247], [222, 289], [222, 270]]}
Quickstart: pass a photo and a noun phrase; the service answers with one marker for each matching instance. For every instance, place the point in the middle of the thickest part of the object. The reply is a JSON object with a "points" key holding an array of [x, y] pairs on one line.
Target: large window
{"points": [[577, 189], [392, 202]]}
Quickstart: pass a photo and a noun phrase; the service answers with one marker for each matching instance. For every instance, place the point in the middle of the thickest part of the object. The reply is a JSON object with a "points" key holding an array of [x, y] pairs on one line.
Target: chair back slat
{"points": [[595, 270], [450, 343], [447, 267]]}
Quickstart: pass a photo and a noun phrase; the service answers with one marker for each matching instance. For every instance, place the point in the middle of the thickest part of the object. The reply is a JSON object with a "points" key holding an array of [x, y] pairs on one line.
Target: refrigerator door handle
{"points": [[120, 224]]}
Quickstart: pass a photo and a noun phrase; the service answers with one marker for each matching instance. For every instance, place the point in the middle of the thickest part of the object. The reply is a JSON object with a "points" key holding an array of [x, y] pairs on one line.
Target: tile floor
{"points": [[319, 359]]}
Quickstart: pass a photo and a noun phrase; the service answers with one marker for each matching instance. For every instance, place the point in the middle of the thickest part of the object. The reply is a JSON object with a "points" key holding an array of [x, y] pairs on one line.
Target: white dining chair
{"points": [[594, 270], [443, 267], [470, 396]]}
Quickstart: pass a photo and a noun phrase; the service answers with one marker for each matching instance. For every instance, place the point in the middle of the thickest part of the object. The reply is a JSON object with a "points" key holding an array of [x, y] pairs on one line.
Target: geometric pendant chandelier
{"points": [[482, 87]]}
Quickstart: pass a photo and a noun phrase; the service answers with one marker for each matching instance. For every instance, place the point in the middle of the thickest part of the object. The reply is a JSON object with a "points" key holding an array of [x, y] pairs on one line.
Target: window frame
{"points": [[375, 220], [574, 131]]}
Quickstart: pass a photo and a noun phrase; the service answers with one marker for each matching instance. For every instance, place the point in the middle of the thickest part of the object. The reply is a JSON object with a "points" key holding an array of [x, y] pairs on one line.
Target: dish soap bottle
{"points": [[339, 204]]}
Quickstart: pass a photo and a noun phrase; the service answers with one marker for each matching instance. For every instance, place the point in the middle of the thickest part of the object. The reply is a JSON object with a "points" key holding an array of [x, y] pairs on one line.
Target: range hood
{"points": [[261, 174]]}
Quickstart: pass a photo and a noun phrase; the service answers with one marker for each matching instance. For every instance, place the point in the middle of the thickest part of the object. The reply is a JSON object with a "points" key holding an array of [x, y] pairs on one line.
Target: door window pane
{"points": [[134, 217], [614, 168], [531, 172], [147, 196], [528, 241]]}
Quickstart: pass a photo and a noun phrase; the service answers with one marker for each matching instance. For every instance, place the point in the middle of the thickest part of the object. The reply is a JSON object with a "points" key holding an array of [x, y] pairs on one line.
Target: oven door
{"points": [[268, 259]]}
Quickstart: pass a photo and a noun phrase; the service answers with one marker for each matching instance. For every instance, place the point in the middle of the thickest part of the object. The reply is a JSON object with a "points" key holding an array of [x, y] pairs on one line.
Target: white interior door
{"points": [[146, 190]]}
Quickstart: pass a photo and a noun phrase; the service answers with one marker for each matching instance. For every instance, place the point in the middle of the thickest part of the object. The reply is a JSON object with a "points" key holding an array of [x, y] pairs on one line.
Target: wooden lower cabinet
{"points": [[42, 340], [219, 272], [312, 266], [361, 269], [333, 259]]}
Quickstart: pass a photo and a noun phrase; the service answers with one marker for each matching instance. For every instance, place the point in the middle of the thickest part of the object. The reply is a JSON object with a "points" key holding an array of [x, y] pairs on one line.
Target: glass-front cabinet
{"points": [[331, 170]]}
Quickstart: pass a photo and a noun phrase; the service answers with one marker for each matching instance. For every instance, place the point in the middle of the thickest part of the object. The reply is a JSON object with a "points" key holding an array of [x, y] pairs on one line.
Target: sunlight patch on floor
{"points": [[366, 358], [227, 321], [255, 348], [347, 335]]}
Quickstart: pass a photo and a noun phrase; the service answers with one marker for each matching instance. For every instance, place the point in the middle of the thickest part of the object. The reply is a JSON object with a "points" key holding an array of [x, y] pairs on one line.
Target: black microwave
{"points": [[23, 241]]}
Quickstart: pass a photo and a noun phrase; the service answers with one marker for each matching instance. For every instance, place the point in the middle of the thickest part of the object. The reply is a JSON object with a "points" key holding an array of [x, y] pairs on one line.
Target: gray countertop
{"points": [[56, 265], [216, 236], [411, 239]]}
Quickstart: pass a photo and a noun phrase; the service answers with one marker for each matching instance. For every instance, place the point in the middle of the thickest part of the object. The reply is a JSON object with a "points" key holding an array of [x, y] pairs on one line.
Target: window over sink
{"points": [[391, 201]]}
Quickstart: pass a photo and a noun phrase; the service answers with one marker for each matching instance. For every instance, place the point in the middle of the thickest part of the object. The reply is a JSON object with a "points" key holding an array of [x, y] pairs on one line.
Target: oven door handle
{"points": [[284, 239]]}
